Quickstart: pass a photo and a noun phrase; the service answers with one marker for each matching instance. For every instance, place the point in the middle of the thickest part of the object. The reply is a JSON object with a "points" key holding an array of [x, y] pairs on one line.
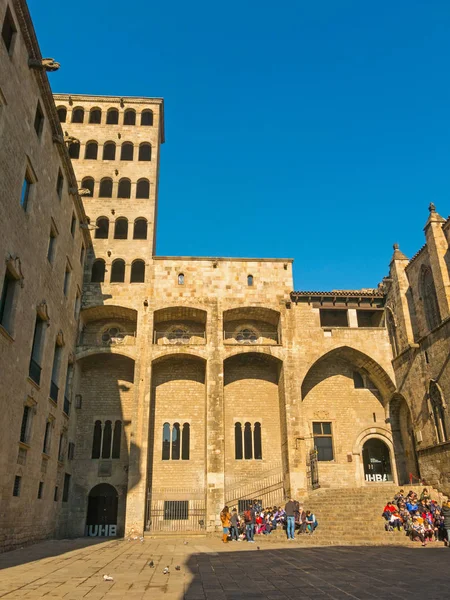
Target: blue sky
{"points": [[318, 131]]}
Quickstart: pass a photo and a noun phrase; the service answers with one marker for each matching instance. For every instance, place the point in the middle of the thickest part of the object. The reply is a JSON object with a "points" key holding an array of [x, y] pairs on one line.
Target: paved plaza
{"points": [[210, 570]]}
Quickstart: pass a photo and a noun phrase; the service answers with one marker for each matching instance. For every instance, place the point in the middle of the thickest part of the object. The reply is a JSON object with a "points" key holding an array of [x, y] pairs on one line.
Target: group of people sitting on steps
{"points": [[239, 527], [421, 518]]}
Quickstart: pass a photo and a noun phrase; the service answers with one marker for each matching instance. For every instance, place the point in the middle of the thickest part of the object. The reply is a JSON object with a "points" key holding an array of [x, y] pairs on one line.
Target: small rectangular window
{"points": [[333, 318], [73, 225], [176, 510], [59, 184], [55, 495], [323, 441], [40, 490], [17, 485], [7, 301], [47, 437], [82, 256], [36, 350], [26, 191], [51, 245], [9, 31], [39, 120], [66, 487], [67, 276]]}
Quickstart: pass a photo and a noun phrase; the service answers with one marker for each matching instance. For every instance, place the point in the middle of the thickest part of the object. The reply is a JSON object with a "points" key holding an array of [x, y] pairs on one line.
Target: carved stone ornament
{"points": [[15, 268], [322, 414], [84, 192], [60, 338], [70, 139], [43, 64], [42, 311]]}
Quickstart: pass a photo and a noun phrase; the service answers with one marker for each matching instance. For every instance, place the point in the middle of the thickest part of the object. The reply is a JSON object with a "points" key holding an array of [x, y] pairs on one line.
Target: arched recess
{"points": [[109, 327], [175, 325], [102, 510], [378, 433], [254, 401], [251, 325], [354, 358], [178, 399], [403, 439]]}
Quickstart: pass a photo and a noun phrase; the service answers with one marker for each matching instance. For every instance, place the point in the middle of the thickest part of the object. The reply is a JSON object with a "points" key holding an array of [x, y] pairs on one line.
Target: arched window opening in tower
{"points": [[181, 279], [124, 190], [88, 184], [62, 114], [106, 187], [112, 117], [95, 116], [127, 151], [140, 229], [77, 115], [102, 228], [176, 441], [129, 117], [74, 150], [249, 280], [98, 271], [143, 189], [91, 151], [147, 118], [121, 229], [137, 271], [118, 271], [109, 151], [145, 152]]}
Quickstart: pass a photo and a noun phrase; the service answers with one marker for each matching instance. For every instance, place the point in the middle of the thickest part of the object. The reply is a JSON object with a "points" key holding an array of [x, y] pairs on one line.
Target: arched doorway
{"points": [[102, 511], [377, 461]]}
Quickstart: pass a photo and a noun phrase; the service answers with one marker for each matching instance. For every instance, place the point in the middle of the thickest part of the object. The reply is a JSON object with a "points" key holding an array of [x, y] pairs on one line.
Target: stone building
{"points": [[42, 248], [199, 381]]}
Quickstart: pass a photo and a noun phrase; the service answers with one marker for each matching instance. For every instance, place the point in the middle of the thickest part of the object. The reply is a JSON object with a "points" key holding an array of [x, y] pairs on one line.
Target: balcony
{"points": [[179, 337], [251, 337], [54, 391], [111, 337], [66, 407], [35, 371]]}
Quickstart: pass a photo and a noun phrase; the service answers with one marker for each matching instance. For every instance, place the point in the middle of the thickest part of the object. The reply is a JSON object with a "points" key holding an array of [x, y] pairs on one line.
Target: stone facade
{"points": [[193, 381]]}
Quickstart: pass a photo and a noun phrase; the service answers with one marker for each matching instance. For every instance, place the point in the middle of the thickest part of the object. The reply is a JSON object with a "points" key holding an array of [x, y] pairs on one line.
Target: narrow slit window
{"points": [[238, 454], [186, 441], [107, 439]]}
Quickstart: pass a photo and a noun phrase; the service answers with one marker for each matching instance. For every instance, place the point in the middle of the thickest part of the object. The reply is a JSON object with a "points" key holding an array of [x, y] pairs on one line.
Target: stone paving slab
{"points": [[210, 570]]}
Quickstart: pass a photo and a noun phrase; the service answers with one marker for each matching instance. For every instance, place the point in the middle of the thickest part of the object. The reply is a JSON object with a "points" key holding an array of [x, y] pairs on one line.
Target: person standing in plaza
{"points": [[290, 509], [234, 525], [445, 512], [250, 521], [225, 519]]}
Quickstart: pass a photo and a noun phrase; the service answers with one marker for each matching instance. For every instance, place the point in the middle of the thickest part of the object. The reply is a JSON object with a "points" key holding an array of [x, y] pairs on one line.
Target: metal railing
{"points": [[248, 337], [123, 338], [66, 407], [176, 515], [179, 337], [35, 372], [54, 391]]}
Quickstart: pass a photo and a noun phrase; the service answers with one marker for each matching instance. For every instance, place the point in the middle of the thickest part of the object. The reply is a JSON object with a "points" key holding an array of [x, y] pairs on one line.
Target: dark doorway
{"points": [[377, 461], [102, 511]]}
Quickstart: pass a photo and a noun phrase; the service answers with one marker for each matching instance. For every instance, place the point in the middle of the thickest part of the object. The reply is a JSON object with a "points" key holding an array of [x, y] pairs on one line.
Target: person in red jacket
{"points": [[390, 508]]}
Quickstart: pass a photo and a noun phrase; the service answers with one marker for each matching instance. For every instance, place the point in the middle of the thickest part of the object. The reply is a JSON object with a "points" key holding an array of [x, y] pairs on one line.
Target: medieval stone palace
{"points": [[142, 392]]}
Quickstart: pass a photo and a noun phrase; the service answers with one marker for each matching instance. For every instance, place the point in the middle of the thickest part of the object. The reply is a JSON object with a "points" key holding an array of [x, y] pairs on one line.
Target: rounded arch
{"points": [[376, 433], [124, 190], [91, 150], [145, 151], [118, 271], [112, 116], [103, 489], [107, 311], [95, 115], [124, 351], [137, 271], [140, 229], [129, 117], [88, 184], [74, 150], [143, 189], [102, 228], [127, 151], [259, 313], [358, 359], [171, 355], [269, 366], [78, 114], [62, 113], [147, 117], [109, 150], [98, 271], [106, 187], [103, 503], [121, 228]]}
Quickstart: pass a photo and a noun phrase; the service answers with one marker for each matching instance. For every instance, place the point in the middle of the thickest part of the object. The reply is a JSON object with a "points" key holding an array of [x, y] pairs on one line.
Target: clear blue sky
{"points": [[313, 130]]}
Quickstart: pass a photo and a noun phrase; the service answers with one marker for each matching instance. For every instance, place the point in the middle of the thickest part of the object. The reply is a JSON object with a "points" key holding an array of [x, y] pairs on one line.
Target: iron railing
{"points": [[123, 338], [66, 407], [54, 391], [35, 371], [248, 337], [179, 337], [176, 515]]}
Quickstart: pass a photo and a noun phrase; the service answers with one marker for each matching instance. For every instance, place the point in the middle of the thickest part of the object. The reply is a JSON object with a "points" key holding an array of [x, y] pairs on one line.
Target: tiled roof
{"points": [[368, 293]]}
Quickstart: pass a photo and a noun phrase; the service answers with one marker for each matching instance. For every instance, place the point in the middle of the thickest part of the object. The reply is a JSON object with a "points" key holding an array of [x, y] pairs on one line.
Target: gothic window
{"points": [[78, 115], [126, 151], [74, 150], [147, 117], [246, 336], [140, 229], [176, 441], [88, 184], [238, 441], [118, 271], [143, 189], [107, 438], [145, 152], [95, 116], [137, 271], [102, 228], [438, 408], [129, 117], [109, 151], [106, 186], [121, 229], [62, 114], [91, 151], [124, 190], [429, 298], [98, 271], [112, 117]]}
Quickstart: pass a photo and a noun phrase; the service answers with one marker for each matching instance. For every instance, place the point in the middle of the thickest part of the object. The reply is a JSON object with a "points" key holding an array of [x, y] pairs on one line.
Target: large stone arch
{"points": [[361, 361], [179, 325], [380, 433], [251, 325]]}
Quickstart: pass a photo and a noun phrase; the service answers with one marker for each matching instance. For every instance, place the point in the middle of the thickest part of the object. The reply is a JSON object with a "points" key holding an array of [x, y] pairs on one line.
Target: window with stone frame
{"points": [[323, 441], [247, 441], [176, 439]]}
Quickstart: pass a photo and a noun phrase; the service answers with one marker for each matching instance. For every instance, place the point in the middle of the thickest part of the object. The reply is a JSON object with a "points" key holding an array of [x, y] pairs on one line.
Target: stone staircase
{"points": [[351, 516]]}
